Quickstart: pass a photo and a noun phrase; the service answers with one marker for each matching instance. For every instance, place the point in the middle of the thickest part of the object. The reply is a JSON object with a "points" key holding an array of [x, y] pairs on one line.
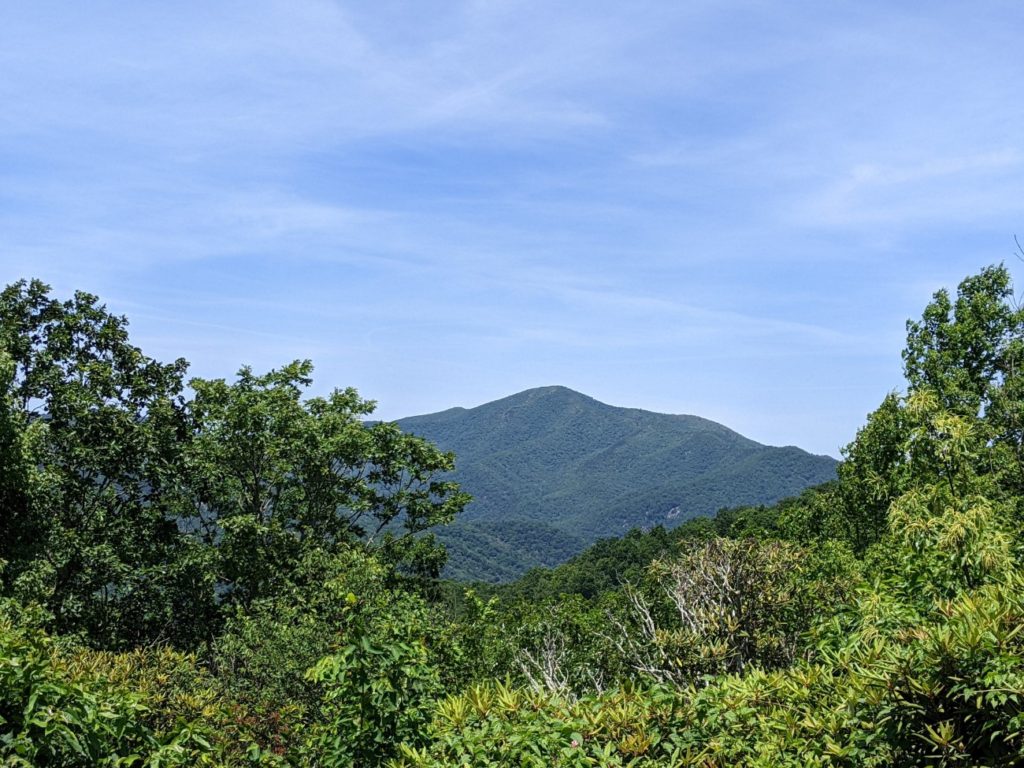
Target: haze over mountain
{"points": [[552, 470]]}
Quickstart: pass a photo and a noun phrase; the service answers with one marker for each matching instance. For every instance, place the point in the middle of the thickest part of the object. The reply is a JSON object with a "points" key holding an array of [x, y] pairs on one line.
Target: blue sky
{"points": [[721, 208]]}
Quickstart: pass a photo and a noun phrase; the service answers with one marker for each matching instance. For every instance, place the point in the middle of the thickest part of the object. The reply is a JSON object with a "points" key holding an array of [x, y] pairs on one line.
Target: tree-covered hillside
{"points": [[501, 550], [214, 576], [611, 562], [551, 470]]}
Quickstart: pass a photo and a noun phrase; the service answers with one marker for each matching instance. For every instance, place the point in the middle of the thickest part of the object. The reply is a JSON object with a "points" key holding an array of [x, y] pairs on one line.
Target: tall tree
{"points": [[133, 514], [274, 474], [964, 349], [962, 360], [98, 428]]}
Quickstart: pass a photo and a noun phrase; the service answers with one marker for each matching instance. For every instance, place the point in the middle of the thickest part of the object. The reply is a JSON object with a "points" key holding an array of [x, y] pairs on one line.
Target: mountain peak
{"points": [[550, 390], [551, 393]]}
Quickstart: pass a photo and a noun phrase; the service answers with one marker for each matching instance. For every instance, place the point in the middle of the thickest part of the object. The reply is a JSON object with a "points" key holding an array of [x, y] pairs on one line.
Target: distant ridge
{"points": [[551, 470]]}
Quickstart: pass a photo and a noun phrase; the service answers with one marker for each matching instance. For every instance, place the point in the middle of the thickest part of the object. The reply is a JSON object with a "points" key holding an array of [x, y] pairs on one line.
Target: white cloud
{"points": [[968, 188]]}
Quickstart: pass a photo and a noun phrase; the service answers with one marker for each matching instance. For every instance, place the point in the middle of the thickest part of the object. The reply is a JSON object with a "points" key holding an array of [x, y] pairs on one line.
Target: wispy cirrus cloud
{"points": [[967, 187]]}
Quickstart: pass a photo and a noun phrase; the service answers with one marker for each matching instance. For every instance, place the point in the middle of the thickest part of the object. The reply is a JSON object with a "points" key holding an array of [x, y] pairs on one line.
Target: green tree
{"points": [[96, 430], [273, 475], [873, 472], [135, 515], [962, 362], [962, 349], [379, 688]]}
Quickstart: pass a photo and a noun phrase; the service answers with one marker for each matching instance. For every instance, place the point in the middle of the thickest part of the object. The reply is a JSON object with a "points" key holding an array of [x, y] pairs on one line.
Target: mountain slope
{"points": [[581, 470]]}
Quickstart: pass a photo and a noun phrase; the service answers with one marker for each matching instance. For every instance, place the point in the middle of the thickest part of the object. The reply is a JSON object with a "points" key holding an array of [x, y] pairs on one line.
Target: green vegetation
{"points": [[235, 575], [551, 470], [502, 549], [609, 563]]}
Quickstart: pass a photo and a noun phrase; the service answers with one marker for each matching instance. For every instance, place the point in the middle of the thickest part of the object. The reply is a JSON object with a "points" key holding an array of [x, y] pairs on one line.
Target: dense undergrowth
{"points": [[223, 579]]}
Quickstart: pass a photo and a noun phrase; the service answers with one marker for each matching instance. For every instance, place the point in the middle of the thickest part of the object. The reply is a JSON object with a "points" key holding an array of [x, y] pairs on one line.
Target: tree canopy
{"points": [[139, 511]]}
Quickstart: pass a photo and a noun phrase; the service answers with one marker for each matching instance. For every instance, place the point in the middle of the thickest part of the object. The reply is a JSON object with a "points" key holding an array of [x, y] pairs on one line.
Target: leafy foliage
{"points": [[273, 475], [379, 692], [97, 428], [77, 707], [496, 725]]}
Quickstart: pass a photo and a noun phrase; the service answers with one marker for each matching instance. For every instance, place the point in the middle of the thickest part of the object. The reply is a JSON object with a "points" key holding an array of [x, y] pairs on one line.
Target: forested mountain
{"points": [[551, 470]]}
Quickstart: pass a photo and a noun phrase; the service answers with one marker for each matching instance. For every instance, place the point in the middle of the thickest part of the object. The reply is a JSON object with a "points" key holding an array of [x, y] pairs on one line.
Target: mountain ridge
{"points": [[566, 462]]}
